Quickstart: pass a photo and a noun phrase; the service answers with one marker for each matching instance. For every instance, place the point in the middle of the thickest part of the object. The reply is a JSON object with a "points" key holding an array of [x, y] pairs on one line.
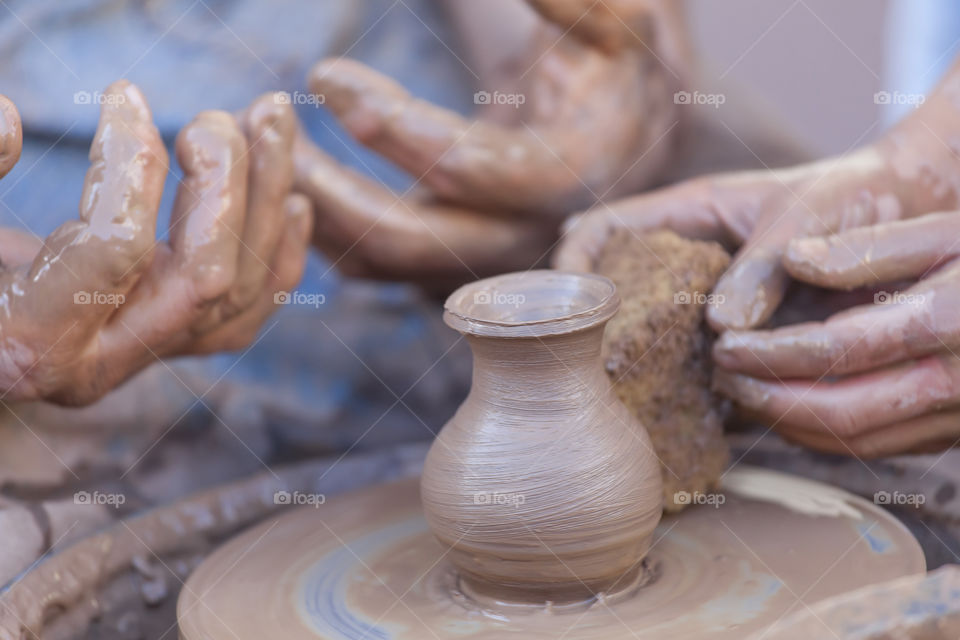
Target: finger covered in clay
{"points": [[286, 269], [898, 326], [807, 201], [107, 249], [887, 252], [930, 433], [210, 208], [472, 163], [368, 231], [269, 124], [848, 343], [852, 405]]}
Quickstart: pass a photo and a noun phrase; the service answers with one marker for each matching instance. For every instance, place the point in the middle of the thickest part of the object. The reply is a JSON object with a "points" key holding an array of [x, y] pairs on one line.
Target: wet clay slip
{"points": [[542, 487]]}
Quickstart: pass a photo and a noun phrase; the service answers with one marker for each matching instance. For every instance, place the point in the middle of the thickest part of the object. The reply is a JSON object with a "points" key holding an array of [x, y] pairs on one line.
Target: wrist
{"points": [[923, 166]]}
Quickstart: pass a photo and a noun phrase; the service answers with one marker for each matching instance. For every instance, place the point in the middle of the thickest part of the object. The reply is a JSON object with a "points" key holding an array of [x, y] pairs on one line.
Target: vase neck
{"points": [[537, 368]]}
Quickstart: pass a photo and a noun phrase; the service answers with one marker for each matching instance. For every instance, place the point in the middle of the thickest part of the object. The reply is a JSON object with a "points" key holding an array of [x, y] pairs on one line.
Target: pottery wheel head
{"points": [[365, 565]]}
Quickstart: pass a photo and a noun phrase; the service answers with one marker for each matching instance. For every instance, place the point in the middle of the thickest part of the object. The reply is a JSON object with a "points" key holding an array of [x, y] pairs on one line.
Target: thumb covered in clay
{"points": [[695, 209], [751, 290], [11, 135], [721, 208]]}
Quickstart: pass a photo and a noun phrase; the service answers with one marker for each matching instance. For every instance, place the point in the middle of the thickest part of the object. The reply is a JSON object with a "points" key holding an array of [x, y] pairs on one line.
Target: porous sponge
{"points": [[656, 351]]}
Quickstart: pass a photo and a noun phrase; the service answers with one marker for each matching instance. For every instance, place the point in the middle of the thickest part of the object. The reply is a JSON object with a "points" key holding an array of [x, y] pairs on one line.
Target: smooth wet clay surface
{"points": [[366, 565]]}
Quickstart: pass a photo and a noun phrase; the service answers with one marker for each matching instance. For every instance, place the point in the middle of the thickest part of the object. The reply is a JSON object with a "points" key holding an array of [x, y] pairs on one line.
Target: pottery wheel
{"points": [[365, 565]]}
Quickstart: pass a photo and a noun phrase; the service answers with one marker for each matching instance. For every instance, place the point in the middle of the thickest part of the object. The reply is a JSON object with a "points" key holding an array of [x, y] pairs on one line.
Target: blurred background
{"points": [[816, 64]]}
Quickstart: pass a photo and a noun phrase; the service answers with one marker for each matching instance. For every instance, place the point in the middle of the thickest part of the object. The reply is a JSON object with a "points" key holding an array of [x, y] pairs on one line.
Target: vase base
{"points": [[365, 565], [489, 596]]}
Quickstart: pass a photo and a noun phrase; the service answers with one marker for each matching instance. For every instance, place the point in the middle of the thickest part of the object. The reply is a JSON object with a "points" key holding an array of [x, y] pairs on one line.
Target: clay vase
{"points": [[543, 486]]}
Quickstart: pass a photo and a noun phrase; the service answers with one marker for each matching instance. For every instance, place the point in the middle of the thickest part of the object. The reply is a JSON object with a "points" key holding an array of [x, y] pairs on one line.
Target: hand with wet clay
{"points": [[873, 380], [759, 212], [597, 118], [870, 380], [101, 297]]}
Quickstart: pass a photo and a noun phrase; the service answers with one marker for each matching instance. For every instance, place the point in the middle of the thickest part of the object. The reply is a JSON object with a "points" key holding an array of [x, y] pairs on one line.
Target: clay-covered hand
{"points": [[873, 380], [911, 171], [760, 212], [870, 380], [597, 118], [101, 297], [774, 217], [368, 232], [907, 173]]}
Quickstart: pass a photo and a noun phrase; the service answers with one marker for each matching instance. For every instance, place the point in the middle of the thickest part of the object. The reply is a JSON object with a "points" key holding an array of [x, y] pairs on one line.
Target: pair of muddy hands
{"points": [[872, 380], [880, 225], [101, 297]]}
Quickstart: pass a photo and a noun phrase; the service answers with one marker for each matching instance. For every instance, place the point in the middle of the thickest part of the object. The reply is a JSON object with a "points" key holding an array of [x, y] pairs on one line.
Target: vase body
{"points": [[542, 486]]}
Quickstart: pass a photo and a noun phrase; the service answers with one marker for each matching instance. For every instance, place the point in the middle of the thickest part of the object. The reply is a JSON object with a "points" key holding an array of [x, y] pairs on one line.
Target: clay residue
{"points": [[796, 494], [919, 607], [657, 352]]}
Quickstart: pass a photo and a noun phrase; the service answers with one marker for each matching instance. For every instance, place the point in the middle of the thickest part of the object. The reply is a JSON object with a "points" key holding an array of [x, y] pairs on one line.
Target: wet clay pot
{"points": [[542, 486]]}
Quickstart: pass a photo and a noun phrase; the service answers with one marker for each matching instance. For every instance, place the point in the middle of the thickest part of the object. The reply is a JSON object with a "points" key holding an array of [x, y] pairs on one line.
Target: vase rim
{"points": [[530, 304]]}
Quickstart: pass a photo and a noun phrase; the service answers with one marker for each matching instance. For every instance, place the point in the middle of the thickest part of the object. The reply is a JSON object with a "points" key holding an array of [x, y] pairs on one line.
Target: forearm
{"points": [[923, 148]]}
